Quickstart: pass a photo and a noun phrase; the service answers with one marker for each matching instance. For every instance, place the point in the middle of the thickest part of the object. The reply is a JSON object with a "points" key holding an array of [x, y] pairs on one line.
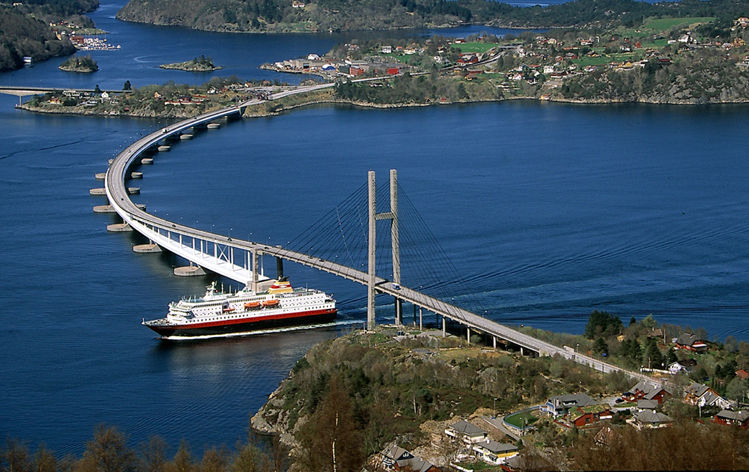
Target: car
{"points": [[396, 287]]}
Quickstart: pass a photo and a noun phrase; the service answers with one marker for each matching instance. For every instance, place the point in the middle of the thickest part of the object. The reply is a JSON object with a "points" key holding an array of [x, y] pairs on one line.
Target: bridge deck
{"points": [[149, 225]]}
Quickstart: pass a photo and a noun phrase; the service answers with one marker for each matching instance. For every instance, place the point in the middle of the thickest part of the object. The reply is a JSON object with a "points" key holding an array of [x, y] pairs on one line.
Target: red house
{"points": [[690, 342], [729, 417], [393, 71], [646, 391]]}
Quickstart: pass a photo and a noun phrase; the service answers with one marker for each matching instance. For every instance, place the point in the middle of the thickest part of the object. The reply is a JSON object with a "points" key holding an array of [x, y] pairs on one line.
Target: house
{"points": [[647, 405], [548, 69], [728, 417], [690, 342], [584, 416], [713, 399], [684, 366], [651, 419], [562, 404], [397, 458], [742, 374], [694, 392], [387, 49], [494, 452], [467, 432], [646, 391]]}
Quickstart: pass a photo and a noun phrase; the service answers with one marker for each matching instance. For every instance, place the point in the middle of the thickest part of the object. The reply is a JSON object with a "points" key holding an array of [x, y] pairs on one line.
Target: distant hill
{"points": [[349, 15], [25, 30]]}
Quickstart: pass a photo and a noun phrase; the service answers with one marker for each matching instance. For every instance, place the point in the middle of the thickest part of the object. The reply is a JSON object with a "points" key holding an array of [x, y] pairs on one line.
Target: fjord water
{"points": [[548, 210]]}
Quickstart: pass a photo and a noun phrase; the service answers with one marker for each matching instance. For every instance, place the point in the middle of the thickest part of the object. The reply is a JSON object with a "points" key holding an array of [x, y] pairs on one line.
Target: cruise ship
{"points": [[222, 314]]}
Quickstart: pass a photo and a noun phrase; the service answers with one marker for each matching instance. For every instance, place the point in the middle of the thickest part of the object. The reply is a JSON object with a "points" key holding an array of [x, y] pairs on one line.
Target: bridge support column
{"points": [[494, 342], [255, 265], [468, 334], [444, 326], [421, 321], [372, 244], [521, 351], [395, 240]]}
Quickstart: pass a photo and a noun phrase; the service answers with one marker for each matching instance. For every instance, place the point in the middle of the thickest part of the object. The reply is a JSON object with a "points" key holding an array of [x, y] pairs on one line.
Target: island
{"points": [[198, 64], [79, 64]]}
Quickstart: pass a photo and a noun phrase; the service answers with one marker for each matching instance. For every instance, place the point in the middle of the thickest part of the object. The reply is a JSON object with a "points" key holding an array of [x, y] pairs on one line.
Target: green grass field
{"points": [[665, 24], [522, 419], [474, 47]]}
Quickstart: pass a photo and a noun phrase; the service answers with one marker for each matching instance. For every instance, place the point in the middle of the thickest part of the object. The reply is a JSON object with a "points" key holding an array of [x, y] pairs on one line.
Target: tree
{"points": [[632, 321], [152, 455], [653, 355], [15, 456], [600, 346], [601, 323], [183, 459], [108, 452], [127, 85], [97, 89], [330, 440]]}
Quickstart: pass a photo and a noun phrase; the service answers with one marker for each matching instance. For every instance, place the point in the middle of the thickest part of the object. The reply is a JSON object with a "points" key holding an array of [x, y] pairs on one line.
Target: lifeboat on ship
{"points": [[251, 305], [229, 309], [270, 303]]}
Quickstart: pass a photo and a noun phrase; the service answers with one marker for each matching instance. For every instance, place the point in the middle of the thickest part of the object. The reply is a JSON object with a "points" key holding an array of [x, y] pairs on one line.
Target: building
{"points": [[586, 416], [467, 432], [651, 419], [691, 343], [728, 417], [562, 404], [646, 391], [494, 452], [398, 459]]}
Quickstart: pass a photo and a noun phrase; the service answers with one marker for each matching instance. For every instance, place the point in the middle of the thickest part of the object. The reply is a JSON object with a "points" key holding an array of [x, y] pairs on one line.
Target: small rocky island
{"points": [[79, 64], [198, 64]]}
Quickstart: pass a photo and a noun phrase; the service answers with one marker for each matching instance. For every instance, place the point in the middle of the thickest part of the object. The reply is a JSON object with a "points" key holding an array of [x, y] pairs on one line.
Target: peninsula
{"points": [[368, 400]]}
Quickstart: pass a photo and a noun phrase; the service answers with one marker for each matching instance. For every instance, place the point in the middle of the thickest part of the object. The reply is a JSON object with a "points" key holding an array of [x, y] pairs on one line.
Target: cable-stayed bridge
{"points": [[356, 219]]}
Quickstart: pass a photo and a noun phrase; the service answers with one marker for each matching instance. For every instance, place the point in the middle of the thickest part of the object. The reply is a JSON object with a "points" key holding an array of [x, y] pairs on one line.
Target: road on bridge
{"points": [[149, 225]]}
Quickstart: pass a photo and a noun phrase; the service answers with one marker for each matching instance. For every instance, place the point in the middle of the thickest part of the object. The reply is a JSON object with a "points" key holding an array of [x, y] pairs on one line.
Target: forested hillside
{"points": [[25, 30], [348, 15], [24, 36]]}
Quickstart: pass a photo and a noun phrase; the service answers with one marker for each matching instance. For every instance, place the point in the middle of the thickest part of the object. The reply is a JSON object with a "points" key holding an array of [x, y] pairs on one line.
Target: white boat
{"points": [[217, 313]]}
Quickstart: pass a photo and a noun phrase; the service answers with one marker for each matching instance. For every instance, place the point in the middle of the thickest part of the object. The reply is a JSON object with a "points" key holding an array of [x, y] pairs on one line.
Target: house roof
{"points": [[406, 461], [742, 374], [696, 389], [497, 447], [652, 417], [741, 415], [573, 400], [648, 390], [647, 404], [687, 339], [467, 429], [711, 398]]}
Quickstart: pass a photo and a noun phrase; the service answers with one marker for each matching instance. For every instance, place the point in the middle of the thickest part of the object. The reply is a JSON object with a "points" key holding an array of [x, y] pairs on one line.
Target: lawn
{"points": [[478, 48], [522, 418], [665, 24]]}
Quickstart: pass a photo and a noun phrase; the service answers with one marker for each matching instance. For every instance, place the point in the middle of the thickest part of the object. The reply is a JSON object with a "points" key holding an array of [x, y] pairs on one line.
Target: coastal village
{"points": [[524, 435]]}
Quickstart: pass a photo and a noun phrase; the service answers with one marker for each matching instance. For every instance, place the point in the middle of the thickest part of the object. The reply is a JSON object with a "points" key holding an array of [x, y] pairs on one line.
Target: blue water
{"points": [[548, 211]]}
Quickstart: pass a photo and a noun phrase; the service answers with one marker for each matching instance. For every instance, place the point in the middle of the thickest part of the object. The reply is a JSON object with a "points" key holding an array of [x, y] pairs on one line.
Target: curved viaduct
{"points": [[194, 245]]}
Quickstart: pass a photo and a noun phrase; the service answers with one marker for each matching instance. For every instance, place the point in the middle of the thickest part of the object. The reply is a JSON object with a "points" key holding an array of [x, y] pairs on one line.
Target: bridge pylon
{"points": [[392, 215]]}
